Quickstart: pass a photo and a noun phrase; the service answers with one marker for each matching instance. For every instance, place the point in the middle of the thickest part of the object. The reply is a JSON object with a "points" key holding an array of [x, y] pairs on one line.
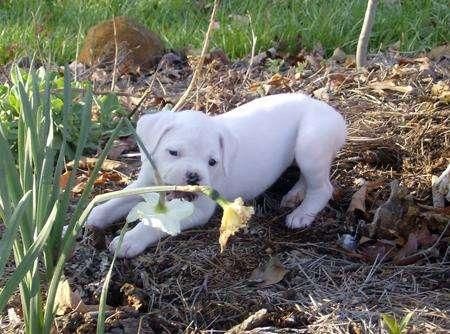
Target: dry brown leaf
{"points": [[339, 55], [420, 244], [358, 201], [109, 176], [68, 300], [406, 60], [337, 79], [381, 86], [322, 93], [396, 217], [408, 249], [278, 80], [399, 71], [254, 87], [121, 145], [439, 52], [350, 61], [425, 238], [135, 298], [380, 250], [441, 90], [89, 163], [272, 273], [64, 179], [80, 184]]}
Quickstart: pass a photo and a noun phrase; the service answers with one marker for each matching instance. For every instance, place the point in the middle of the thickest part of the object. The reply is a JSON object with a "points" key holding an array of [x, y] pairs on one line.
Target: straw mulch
{"points": [[398, 129]]}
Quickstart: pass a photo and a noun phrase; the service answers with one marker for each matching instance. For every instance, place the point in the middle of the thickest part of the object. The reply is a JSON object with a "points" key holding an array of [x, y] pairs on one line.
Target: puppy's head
{"points": [[187, 147]]}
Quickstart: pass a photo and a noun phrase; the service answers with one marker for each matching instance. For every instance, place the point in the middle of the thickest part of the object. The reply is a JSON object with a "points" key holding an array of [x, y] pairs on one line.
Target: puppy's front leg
{"points": [[141, 236], [107, 213]]}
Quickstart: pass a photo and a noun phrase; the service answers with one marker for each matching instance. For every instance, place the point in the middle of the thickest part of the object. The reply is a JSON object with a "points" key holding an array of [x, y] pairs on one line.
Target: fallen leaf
{"points": [[420, 245], [278, 80], [120, 145], [336, 79], [350, 61], [358, 201], [80, 184], [272, 273], [68, 300], [322, 93], [13, 317], [381, 86], [439, 214], [439, 52], [339, 55], [64, 179], [89, 163], [408, 249], [255, 87], [441, 90], [380, 250], [399, 71], [136, 298], [109, 176], [405, 60], [425, 238], [396, 216]]}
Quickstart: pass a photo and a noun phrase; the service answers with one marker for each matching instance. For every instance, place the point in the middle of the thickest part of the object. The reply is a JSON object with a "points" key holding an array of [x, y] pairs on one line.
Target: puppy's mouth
{"points": [[187, 196]]}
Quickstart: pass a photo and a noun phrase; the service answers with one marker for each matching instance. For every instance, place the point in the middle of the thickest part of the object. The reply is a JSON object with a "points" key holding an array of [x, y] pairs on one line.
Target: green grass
{"points": [[54, 28]]}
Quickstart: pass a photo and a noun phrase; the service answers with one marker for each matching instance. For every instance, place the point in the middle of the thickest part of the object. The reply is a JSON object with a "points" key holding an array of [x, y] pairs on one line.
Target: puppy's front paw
{"points": [[292, 199], [130, 246], [98, 218], [299, 219]]}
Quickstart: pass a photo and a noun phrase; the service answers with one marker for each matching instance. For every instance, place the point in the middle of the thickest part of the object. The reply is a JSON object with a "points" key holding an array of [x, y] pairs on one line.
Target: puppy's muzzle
{"points": [[192, 178]]}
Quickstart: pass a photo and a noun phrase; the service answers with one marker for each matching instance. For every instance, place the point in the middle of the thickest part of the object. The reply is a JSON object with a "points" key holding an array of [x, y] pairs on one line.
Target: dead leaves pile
{"points": [[400, 230], [109, 174], [339, 71]]}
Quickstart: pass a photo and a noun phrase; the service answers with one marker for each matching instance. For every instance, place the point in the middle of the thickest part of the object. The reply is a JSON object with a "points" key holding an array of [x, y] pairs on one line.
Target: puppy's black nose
{"points": [[192, 178]]}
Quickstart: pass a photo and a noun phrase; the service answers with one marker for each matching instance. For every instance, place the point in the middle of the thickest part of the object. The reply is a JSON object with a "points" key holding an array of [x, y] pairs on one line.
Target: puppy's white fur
{"points": [[252, 144]]}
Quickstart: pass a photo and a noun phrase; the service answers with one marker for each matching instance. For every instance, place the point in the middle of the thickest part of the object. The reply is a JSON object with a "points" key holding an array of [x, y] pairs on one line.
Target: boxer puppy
{"points": [[240, 153]]}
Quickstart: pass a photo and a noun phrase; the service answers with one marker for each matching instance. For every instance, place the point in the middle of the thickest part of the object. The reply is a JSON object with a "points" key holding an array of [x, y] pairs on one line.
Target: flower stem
{"points": [[162, 195]]}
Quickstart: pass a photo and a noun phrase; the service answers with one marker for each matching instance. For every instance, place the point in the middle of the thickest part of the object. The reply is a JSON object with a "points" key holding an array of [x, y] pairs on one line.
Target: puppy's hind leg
{"points": [[314, 159], [296, 195]]}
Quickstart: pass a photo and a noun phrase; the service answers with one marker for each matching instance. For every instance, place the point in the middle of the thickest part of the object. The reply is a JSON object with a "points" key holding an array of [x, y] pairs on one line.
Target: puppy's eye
{"points": [[173, 153], [212, 162]]}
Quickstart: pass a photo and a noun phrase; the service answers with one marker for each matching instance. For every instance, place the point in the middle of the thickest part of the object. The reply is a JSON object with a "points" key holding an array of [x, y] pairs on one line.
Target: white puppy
{"points": [[239, 153]]}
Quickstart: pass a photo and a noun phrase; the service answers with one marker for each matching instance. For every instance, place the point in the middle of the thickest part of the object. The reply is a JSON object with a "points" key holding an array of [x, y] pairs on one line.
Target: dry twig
{"points": [[199, 66]]}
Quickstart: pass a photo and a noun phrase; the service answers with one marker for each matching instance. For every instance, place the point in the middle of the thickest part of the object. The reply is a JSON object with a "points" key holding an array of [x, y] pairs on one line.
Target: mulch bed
{"points": [[398, 129]]}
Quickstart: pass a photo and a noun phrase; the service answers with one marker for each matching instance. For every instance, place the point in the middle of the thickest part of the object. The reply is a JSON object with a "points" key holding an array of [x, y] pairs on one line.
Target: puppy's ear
{"points": [[228, 146], [152, 127]]}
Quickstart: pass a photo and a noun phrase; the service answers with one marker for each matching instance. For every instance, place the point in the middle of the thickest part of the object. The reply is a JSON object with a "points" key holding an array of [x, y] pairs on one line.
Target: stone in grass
{"points": [[139, 49]]}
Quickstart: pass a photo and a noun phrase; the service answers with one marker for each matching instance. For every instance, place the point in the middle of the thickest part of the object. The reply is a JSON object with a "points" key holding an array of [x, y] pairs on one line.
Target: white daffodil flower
{"points": [[167, 220]]}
